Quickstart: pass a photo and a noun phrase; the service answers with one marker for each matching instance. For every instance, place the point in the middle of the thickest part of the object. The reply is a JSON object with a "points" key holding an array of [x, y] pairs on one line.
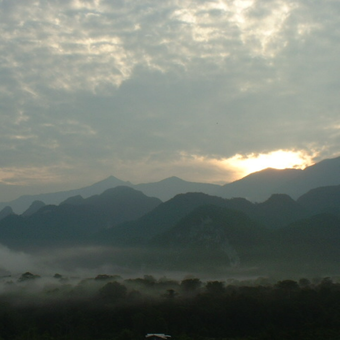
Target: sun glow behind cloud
{"points": [[279, 159], [226, 170]]}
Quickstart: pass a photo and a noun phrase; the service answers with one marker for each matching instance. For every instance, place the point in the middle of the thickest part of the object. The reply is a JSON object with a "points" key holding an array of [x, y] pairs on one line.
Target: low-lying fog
{"points": [[93, 260], [116, 293], [84, 262]]}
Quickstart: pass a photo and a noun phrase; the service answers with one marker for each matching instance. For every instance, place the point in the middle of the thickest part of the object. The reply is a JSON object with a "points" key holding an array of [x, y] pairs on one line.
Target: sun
{"points": [[279, 159]]}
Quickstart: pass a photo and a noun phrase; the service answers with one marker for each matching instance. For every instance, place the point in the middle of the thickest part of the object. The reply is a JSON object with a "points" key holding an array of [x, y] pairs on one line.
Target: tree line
{"points": [[108, 307]]}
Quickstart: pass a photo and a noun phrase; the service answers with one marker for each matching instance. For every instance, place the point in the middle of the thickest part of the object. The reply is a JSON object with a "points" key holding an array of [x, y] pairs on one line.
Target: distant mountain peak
{"points": [[270, 170], [280, 198], [255, 187], [112, 179], [172, 179]]}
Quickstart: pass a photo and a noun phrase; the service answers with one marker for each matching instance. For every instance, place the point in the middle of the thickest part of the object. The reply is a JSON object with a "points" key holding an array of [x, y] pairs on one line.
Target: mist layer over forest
{"points": [[106, 306]]}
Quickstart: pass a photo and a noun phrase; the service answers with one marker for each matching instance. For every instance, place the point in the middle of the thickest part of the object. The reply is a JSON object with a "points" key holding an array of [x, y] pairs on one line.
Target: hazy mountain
{"points": [[6, 212], [256, 187], [260, 185], [278, 211], [158, 220], [33, 208], [51, 224], [20, 204], [124, 216], [324, 173], [163, 190], [320, 200], [74, 200], [170, 187], [119, 204], [69, 223], [191, 230], [216, 237]]}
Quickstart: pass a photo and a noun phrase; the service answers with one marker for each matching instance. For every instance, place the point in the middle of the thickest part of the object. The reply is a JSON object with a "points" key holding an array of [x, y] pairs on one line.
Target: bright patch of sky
{"points": [[134, 89], [279, 159]]}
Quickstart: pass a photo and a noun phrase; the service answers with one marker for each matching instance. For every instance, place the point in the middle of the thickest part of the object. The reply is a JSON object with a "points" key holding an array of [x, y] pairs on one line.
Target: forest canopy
{"points": [[110, 307]]}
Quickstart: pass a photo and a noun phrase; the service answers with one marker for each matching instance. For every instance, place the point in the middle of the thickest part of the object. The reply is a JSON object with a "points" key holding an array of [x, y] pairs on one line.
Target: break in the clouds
{"points": [[148, 89]]}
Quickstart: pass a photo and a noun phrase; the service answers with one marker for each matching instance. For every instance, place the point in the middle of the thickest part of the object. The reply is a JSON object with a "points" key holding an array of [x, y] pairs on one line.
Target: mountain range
{"points": [[256, 187], [192, 230], [75, 219], [199, 230]]}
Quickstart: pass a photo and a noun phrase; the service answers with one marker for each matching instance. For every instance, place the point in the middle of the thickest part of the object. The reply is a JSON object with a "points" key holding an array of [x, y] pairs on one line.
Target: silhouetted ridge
{"points": [[160, 219], [6, 212], [204, 220], [34, 207], [258, 186], [74, 200], [77, 219], [324, 173], [172, 186], [123, 203], [279, 210], [22, 203]]}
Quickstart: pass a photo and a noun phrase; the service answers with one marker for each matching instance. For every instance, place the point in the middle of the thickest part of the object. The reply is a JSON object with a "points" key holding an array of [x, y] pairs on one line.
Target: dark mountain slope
{"points": [[215, 236], [6, 212], [278, 211], [310, 244], [119, 204], [313, 230], [50, 225], [196, 227], [159, 220], [74, 223], [324, 199], [33, 208]]}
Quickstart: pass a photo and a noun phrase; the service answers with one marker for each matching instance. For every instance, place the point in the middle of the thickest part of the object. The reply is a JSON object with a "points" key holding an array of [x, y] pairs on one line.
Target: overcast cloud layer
{"points": [[148, 89]]}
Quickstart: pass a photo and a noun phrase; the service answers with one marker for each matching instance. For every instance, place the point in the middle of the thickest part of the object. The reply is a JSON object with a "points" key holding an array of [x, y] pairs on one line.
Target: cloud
{"points": [[92, 45], [90, 88]]}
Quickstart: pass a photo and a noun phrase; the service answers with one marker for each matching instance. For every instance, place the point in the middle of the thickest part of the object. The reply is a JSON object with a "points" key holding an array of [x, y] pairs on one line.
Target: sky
{"points": [[208, 91]]}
